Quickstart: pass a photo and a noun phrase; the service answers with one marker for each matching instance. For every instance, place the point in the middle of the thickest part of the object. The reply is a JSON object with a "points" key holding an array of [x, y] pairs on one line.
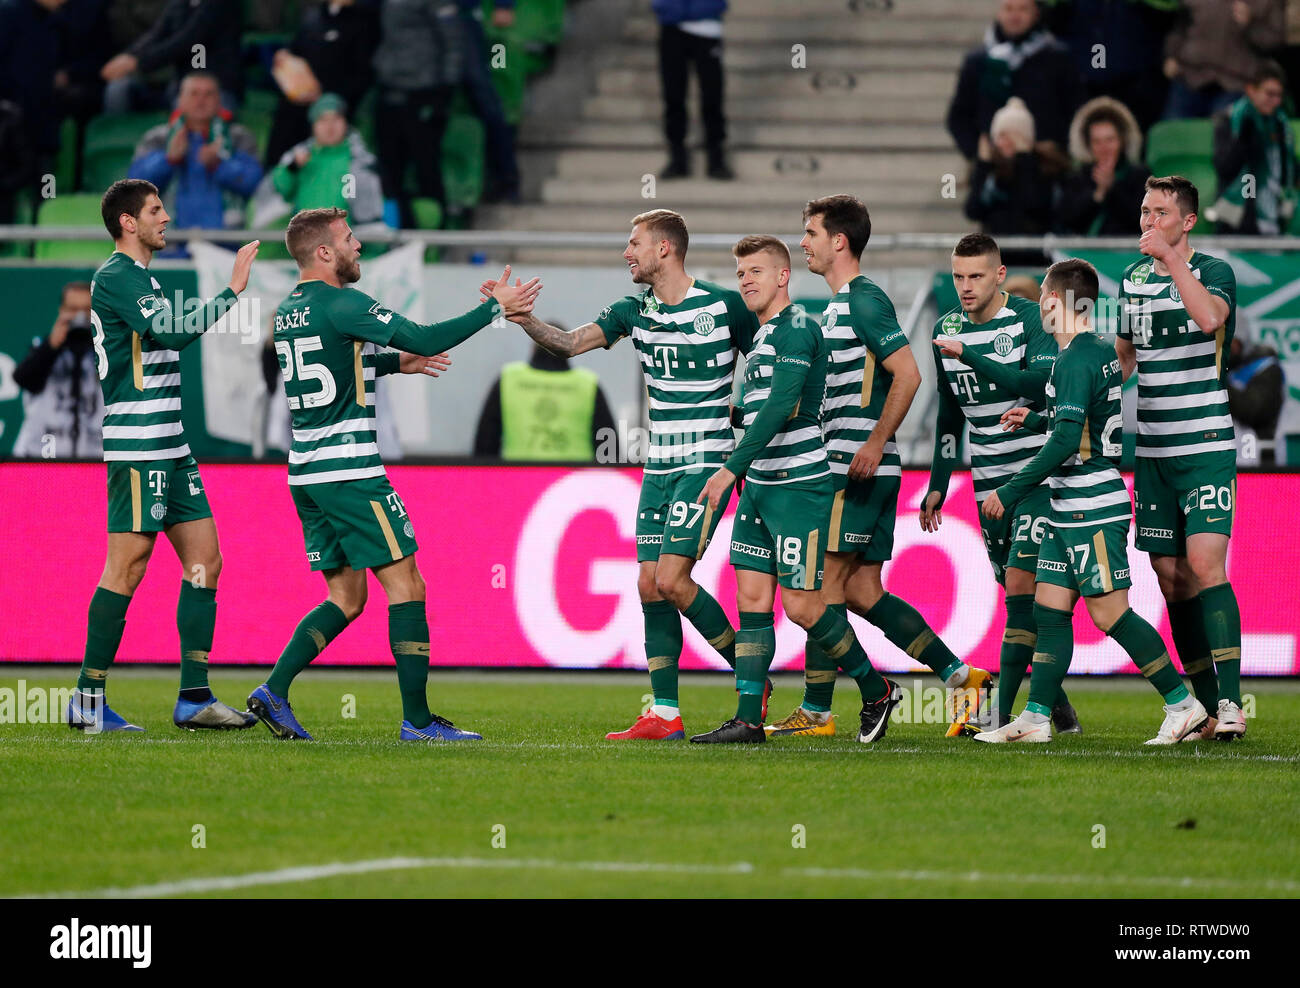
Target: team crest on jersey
{"points": [[1173, 292], [385, 316], [1140, 274], [159, 511], [651, 303], [830, 319], [704, 323], [1002, 344], [151, 305], [409, 529], [951, 324]]}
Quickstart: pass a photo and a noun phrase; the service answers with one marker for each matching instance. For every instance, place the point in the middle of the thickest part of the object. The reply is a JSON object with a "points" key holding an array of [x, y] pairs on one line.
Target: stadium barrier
{"points": [[535, 567]]}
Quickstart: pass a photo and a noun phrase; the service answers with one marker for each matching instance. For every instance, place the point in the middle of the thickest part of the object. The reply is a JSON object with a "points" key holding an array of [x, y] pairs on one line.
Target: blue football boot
{"points": [[275, 713], [211, 714], [440, 730], [91, 713]]}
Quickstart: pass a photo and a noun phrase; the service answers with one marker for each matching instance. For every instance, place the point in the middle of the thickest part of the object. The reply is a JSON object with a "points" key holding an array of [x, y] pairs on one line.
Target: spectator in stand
{"points": [[39, 41], [17, 160], [1255, 159], [503, 168], [1215, 50], [544, 410], [419, 63], [1256, 387], [1013, 184], [205, 152], [215, 25], [332, 168], [63, 407], [330, 53], [1128, 31], [690, 32], [1019, 57], [1102, 196]]}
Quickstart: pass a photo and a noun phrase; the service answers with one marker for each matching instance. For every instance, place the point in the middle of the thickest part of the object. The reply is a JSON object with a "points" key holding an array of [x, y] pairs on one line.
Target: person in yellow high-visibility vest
{"points": [[543, 410]]}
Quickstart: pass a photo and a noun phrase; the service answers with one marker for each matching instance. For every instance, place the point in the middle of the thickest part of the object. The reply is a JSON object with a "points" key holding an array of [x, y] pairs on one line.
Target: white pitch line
{"points": [[1163, 881], [310, 873], [1192, 751]]}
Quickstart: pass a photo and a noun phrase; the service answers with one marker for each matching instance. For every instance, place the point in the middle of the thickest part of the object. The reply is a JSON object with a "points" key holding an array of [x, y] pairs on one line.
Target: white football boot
{"points": [[1018, 730], [1179, 725], [1232, 722]]}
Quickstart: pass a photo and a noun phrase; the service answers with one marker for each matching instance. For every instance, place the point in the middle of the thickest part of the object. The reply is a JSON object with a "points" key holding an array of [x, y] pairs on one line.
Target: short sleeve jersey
{"points": [[1085, 387], [140, 377], [325, 338], [1182, 407], [861, 330], [1014, 337], [797, 452], [688, 354]]}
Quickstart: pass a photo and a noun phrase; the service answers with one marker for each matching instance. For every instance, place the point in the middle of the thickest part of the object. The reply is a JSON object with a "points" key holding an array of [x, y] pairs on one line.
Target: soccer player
{"points": [[783, 517], [993, 356], [1085, 548], [352, 519], [153, 481], [870, 382], [1179, 311], [686, 332]]}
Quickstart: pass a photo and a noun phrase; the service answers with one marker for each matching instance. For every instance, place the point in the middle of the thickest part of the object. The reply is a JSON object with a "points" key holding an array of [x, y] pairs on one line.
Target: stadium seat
{"points": [[463, 147], [1178, 139], [76, 209], [257, 114], [111, 140]]}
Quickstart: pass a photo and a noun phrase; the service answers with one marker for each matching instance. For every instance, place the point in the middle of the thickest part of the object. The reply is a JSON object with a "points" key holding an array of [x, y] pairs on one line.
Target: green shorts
{"points": [[862, 517], [360, 523], [1013, 540], [781, 529], [668, 520], [1090, 559], [147, 496], [1178, 496]]}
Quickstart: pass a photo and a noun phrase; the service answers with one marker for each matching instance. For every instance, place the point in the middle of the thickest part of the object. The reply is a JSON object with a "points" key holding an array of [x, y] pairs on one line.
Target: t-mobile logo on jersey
{"points": [[395, 504], [967, 382], [158, 482], [666, 357]]}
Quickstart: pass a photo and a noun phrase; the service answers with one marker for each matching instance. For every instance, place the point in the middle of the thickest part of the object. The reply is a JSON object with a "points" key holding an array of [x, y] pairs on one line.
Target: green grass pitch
{"points": [[360, 814]]}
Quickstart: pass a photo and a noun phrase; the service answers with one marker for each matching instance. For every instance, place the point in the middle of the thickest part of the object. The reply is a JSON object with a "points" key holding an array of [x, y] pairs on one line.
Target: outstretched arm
{"points": [[557, 341]]}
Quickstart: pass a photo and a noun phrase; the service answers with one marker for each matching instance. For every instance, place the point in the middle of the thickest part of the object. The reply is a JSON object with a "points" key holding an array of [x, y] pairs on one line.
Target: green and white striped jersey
{"points": [[1182, 406], [137, 340], [797, 452], [1014, 337], [687, 354], [325, 338], [861, 329], [1087, 488]]}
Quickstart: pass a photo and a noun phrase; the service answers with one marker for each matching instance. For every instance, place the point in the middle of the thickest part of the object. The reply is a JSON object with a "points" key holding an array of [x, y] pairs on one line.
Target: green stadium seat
{"points": [[65, 166], [1186, 147], [111, 140], [1178, 139], [75, 209], [463, 147]]}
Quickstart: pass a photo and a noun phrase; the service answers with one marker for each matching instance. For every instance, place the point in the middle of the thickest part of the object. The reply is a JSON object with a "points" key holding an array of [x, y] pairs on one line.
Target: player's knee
{"points": [[672, 587], [802, 608], [351, 604], [647, 588]]}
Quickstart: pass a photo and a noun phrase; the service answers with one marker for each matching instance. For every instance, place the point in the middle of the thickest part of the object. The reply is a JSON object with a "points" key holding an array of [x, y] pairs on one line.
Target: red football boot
{"points": [[651, 727]]}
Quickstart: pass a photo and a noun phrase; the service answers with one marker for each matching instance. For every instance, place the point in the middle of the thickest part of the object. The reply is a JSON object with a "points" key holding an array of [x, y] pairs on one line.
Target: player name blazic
{"points": [[77, 942]]}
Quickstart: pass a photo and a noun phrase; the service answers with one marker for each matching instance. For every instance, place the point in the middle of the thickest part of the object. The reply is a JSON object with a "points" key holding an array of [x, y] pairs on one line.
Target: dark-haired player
{"points": [[352, 519], [153, 481], [1085, 549], [1177, 321], [993, 356], [871, 380]]}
